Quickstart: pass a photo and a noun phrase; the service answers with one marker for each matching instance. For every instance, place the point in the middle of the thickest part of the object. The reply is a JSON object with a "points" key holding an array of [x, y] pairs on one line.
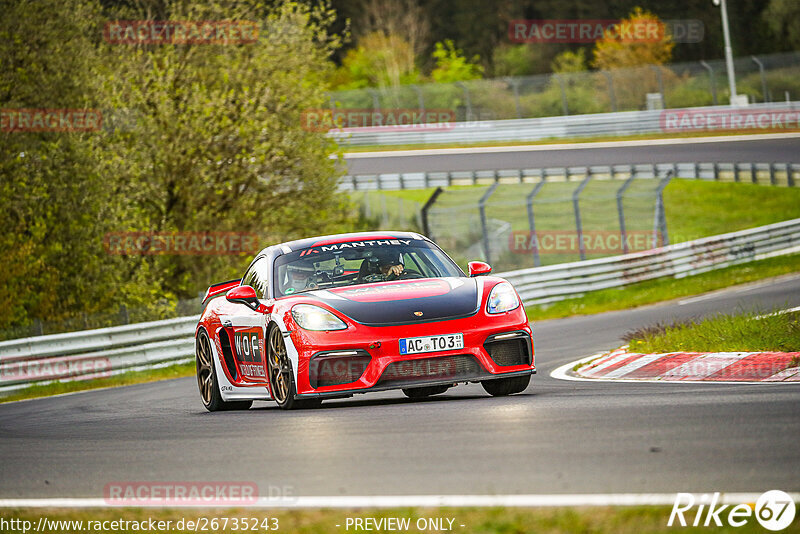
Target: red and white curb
{"points": [[720, 367]]}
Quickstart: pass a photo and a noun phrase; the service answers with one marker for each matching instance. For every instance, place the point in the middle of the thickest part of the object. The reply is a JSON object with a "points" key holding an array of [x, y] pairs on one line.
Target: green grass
{"points": [[123, 379], [740, 332], [663, 289], [554, 141], [595, 520]]}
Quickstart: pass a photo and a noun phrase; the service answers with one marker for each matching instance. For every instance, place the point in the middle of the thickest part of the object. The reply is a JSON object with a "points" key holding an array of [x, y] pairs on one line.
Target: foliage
{"points": [[379, 60], [212, 141], [452, 66], [783, 18], [614, 51]]}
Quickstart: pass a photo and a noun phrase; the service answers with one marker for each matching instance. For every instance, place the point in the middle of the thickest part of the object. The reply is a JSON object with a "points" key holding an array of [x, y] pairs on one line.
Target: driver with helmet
{"points": [[384, 262]]}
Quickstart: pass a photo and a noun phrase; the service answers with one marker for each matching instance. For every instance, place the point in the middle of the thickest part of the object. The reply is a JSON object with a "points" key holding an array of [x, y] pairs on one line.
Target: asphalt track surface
{"points": [[556, 437], [778, 149]]}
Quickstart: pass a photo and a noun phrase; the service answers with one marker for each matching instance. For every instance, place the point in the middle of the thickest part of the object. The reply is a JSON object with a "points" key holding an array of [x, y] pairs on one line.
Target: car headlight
{"points": [[503, 298], [312, 317]]}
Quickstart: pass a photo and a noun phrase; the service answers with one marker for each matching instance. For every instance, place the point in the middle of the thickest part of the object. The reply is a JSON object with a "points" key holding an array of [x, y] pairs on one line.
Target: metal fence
{"points": [[531, 217], [554, 127], [541, 285], [97, 353], [767, 78]]}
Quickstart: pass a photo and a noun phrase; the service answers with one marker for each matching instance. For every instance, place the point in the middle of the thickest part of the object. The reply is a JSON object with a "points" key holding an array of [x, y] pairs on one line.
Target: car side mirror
{"points": [[479, 268], [244, 295]]}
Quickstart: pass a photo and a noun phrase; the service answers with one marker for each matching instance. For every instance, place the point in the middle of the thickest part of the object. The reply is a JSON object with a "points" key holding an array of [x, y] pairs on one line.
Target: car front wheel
{"points": [[500, 387]]}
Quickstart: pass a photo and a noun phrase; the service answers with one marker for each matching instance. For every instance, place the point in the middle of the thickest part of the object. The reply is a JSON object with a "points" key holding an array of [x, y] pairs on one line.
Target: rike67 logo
{"points": [[774, 510]]}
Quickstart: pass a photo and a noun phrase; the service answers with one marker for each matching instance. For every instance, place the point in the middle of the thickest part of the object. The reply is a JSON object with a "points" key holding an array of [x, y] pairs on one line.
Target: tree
{"points": [[616, 51], [379, 60], [452, 66], [783, 18]]}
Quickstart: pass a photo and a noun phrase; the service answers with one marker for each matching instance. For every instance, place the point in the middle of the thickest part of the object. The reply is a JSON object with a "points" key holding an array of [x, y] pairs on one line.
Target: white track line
{"points": [[567, 146], [402, 501]]}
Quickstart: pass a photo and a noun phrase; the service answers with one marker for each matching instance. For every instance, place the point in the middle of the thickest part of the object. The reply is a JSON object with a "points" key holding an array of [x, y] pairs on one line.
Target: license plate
{"points": [[414, 345]]}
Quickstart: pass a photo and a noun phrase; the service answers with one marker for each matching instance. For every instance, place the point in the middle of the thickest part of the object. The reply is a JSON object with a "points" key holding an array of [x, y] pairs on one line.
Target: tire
{"points": [[500, 387], [281, 378], [207, 378], [421, 393]]}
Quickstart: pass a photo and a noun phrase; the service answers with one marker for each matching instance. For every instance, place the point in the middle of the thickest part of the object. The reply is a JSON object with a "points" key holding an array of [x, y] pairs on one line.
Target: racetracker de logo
{"points": [[180, 493], [682, 120], [224, 32], [589, 31], [60, 368], [323, 120], [179, 243], [50, 120], [593, 241]]}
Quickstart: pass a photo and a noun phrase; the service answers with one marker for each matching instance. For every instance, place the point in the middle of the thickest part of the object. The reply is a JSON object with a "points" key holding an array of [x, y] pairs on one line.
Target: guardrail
{"points": [[107, 351], [541, 285], [758, 173], [561, 127], [95, 353]]}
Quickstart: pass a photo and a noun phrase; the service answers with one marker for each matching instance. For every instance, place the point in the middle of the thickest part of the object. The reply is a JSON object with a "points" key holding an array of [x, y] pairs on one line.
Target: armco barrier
{"points": [[147, 345], [540, 285], [774, 173], [561, 127]]}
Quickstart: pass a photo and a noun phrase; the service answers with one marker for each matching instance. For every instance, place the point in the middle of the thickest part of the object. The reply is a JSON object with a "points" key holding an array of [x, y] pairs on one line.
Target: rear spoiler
{"points": [[218, 289]]}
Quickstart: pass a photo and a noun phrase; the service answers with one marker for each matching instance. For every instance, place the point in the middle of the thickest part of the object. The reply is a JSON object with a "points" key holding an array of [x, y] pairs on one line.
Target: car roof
{"points": [[300, 244]]}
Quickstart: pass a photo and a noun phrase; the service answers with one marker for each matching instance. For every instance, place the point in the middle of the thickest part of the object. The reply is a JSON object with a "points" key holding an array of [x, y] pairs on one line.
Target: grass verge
{"points": [[663, 289], [597, 520], [741, 332], [123, 379], [558, 140]]}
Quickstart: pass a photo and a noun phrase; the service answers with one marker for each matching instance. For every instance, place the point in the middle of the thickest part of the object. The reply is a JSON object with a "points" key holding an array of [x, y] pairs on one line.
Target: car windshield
{"points": [[360, 262]]}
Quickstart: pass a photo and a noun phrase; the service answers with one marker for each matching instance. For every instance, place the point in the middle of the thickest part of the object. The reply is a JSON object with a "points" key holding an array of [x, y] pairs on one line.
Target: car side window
{"points": [[249, 276], [261, 279]]}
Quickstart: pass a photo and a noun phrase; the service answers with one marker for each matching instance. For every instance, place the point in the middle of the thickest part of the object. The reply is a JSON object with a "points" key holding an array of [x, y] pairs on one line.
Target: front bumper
{"points": [[365, 359]]}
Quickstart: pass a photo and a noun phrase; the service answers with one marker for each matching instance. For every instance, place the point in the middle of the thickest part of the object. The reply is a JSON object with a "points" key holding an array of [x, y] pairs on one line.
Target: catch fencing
{"points": [[624, 123], [764, 79], [103, 352], [518, 218]]}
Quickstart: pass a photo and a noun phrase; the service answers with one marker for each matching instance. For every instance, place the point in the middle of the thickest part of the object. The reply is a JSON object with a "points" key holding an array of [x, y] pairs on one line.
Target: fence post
{"points": [[710, 70], [564, 106], [765, 94], [771, 173], [38, 327], [376, 101], [660, 219], [124, 318], [484, 224], [532, 223], [735, 172], [753, 173], [420, 97], [623, 234], [466, 97], [426, 229], [789, 175], [514, 83], [611, 95], [660, 85], [716, 171], [576, 207]]}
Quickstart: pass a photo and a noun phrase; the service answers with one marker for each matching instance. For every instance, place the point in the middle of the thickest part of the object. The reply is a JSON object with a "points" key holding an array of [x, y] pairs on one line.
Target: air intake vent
{"points": [[337, 367], [443, 368], [509, 352]]}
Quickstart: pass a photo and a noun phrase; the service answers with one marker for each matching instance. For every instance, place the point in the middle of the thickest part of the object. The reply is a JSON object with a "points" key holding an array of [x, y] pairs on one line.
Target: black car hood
{"points": [[404, 301]]}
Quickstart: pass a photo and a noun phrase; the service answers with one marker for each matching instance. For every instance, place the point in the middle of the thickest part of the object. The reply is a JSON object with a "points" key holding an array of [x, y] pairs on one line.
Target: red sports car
{"points": [[328, 317]]}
